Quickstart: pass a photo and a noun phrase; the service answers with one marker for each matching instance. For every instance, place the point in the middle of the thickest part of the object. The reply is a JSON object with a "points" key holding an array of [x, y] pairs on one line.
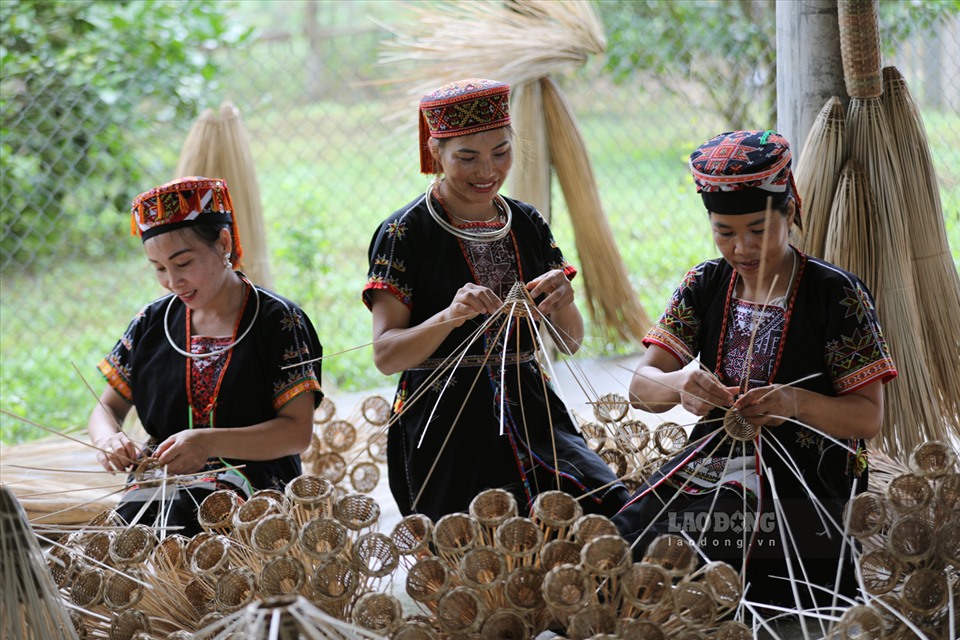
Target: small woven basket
{"points": [[375, 555], [724, 584], [483, 568], [933, 459], [456, 533], [412, 535], [669, 438], [866, 515], [428, 580], [615, 460], [738, 428], [611, 407], [364, 477], [334, 581], [339, 436], [324, 412], [673, 553], [168, 555], [378, 612], [217, 510], [910, 540], [281, 576], [606, 556], [591, 621], [491, 507], [881, 571], [555, 510], [128, 624], [122, 590], [640, 629], [377, 447], [310, 493], [415, 630], [357, 511], [212, 557], [461, 611], [732, 630], [200, 594], [523, 588], [948, 492], [274, 535], [376, 410], [558, 552], [860, 621], [860, 47], [505, 624], [567, 587], [924, 591], [589, 526], [62, 565], [132, 545], [251, 512], [519, 538], [694, 605], [87, 588], [948, 543], [323, 538], [645, 585], [235, 589], [909, 493], [331, 466], [95, 547]]}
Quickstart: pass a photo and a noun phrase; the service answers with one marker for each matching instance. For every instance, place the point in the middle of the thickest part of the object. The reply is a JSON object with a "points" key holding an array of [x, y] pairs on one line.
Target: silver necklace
{"points": [[215, 352], [481, 234]]}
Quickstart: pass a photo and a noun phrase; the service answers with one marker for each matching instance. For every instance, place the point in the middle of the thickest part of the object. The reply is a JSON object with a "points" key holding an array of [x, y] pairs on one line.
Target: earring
{"points": [[226, 260]]}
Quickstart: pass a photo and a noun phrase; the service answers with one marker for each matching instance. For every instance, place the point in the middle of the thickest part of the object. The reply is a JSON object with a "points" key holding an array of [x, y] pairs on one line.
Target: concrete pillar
{"points": [[809, 66]]}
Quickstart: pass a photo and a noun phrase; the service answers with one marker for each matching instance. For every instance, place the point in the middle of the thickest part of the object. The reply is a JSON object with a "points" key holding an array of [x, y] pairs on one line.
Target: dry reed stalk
{"points": [[912, 405], [30, 604], [530, 177], [936, 279], [517, 42], [198, 156], [817, 174], [611, 299], [235, 165]]}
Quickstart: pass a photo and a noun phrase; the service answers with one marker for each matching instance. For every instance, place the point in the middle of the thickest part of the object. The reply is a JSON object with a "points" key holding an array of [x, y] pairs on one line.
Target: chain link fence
{"points": [[335, 153]]}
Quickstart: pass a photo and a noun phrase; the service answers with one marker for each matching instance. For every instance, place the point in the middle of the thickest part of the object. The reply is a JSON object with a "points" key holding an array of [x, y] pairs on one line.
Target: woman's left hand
{"points": [[185, 452], [768, 406], [556, 287]]}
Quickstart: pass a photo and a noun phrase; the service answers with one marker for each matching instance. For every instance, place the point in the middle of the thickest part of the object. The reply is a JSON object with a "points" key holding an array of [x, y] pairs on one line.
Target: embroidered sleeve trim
{"points": [[291, 392], [670, 342], [375, 283], [882, 370], [115, 379]]}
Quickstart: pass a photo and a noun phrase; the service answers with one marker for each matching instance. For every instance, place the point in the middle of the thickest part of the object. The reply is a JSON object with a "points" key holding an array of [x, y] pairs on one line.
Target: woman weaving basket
{"points": [[206, 366], [441, 267], [789, 381]]}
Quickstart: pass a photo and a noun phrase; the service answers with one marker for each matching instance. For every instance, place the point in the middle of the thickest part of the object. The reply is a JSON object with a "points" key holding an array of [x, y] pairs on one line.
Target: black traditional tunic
{"points": [[827, 326], [446, 445], [244, 386]]}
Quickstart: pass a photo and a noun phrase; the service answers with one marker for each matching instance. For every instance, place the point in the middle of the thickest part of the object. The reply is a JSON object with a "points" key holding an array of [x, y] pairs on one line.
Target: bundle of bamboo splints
{"points": [[523, 43], [873, 207], [909, 528]]}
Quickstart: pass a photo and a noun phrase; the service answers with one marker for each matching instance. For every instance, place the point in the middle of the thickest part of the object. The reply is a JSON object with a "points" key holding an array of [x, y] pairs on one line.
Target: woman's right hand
{"points": [[472, 300], [116, 452], [701, 392]]}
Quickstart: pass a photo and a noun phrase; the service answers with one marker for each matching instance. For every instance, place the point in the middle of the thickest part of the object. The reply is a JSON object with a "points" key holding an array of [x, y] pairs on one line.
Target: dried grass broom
{"points": [[530, 177], [612, 301], [198, 156], [30, 605], [935, 275], [912, 408], [818, 171]]}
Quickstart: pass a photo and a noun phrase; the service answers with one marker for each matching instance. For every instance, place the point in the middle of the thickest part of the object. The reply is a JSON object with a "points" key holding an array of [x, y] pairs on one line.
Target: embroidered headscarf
{"points": [[737, 171], [184, 202], [461, 108]]}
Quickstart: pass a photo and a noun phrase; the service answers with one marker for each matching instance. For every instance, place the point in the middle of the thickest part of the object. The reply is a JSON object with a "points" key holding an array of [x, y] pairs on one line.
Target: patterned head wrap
{"points": [[461, 108], [737, 171], [181, 203]]}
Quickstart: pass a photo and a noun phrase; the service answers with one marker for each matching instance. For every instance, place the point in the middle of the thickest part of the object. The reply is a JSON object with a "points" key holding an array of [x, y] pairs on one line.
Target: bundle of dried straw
{"points": [[818, 171]]}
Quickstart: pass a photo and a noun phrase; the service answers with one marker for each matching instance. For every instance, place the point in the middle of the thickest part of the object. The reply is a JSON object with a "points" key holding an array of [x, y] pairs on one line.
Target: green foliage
{"points": [[736, 42], [75, 78], [901, 19]]}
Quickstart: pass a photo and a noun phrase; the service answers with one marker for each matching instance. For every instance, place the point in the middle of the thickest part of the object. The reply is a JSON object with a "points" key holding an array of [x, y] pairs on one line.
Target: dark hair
{"points": [[209, 233]]}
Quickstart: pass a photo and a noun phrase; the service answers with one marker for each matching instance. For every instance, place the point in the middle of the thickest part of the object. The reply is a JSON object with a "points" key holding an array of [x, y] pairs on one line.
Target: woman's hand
{"points": [[117, 452], [701, 392], [472, 300], [556, 287], [185, 452], [768, 406]]}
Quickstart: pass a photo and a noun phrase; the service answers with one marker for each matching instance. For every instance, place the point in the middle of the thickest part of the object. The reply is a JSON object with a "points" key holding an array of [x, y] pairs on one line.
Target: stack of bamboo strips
{"points": [[522, 43], [818, 172]]}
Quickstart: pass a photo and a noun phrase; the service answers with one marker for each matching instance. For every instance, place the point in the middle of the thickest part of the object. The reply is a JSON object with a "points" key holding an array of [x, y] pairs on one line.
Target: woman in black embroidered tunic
{"points": [[439, 268], [792, 344], [208, 367]]}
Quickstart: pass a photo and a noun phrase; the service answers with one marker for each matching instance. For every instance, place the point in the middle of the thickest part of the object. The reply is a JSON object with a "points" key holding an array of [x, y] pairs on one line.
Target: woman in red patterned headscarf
{"points": [[211, 367], [790, 352], [440, 267]]}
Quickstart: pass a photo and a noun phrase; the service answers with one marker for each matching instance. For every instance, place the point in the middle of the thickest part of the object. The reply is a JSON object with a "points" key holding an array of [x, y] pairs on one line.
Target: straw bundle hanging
{"points": [[912, 411], [198, 157], [522, 42], [818, 171], [935, 275], [530, 176], [612, 300]]}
